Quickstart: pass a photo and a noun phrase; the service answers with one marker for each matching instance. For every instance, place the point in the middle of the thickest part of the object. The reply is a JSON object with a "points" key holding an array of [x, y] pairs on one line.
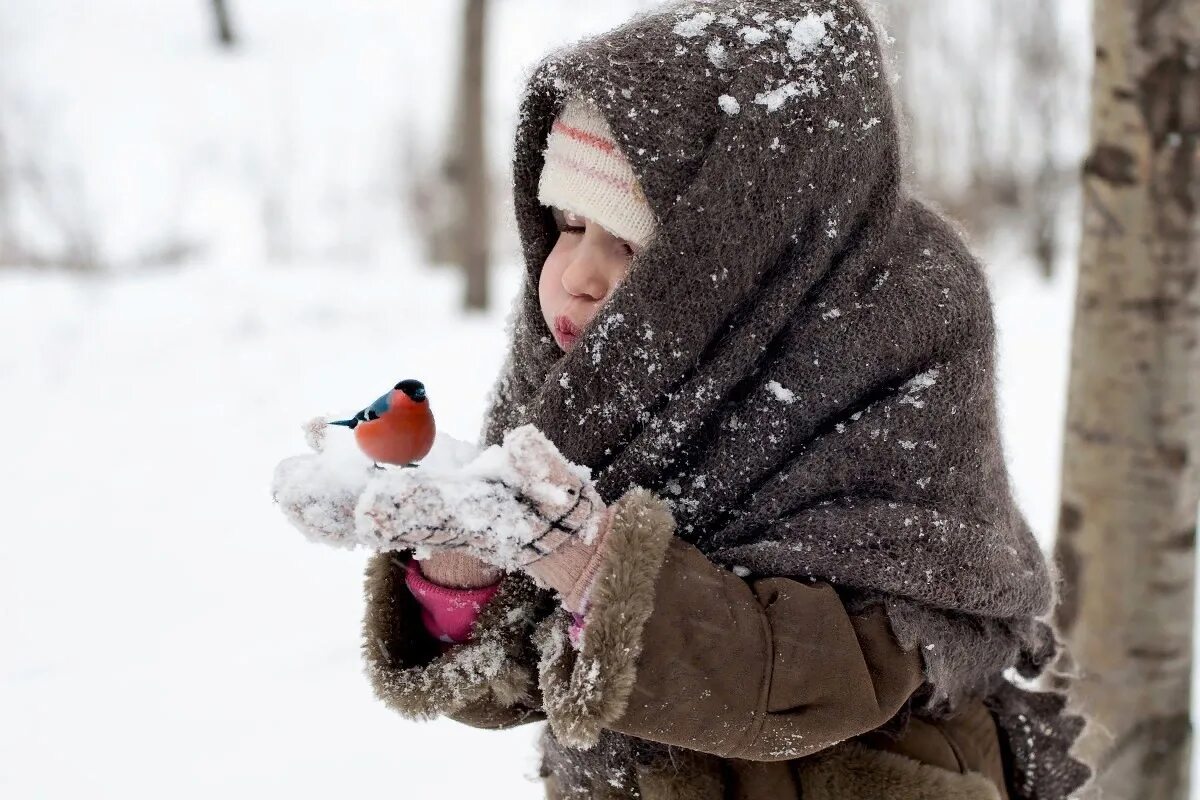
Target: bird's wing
{"points": [[379, 407]]}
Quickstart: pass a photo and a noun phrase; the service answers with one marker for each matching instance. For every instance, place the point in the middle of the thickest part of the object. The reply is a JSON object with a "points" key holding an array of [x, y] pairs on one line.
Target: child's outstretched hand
{"points": [[515, 504], [511, 506], [318, 491]]}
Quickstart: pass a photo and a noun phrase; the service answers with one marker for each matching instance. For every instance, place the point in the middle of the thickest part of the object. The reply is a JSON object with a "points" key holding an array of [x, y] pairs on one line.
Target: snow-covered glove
{"points": [[510, 505], [515, 504], [318, 491]]}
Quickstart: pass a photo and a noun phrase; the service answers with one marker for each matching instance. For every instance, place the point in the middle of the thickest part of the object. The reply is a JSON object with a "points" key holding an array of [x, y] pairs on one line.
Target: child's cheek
{"points": [[550, 287]]}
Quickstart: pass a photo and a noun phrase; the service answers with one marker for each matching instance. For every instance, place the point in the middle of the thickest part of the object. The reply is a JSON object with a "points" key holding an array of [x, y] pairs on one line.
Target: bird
{"points": [[397, 428]]}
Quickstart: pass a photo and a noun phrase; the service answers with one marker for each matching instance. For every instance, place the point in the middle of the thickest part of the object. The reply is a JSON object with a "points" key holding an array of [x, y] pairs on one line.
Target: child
{"points": [[793, 566]]}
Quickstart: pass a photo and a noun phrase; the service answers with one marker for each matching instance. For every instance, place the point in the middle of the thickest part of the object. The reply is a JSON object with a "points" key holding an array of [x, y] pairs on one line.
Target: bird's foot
{"points": [[408, 465]]}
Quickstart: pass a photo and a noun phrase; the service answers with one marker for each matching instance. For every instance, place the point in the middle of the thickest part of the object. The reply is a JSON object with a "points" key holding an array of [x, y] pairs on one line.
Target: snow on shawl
{"points": [[801, 361]]}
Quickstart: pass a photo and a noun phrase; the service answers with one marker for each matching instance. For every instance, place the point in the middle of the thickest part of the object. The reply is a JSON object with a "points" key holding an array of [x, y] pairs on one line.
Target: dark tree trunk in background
{"points": [[223, 23], [1131, 467], [1042, 62], [474, 224]]}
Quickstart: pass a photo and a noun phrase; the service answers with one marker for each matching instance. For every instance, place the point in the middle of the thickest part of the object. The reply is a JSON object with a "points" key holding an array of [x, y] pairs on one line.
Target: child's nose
{"points": [[586, 275]]}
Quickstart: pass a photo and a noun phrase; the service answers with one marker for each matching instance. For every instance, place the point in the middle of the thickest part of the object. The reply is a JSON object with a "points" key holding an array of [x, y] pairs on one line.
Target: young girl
{"points": [[792, 566]]}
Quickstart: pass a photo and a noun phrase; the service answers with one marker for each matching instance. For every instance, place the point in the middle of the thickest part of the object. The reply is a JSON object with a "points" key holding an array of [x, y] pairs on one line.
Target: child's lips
{"points": [[565, 331]]}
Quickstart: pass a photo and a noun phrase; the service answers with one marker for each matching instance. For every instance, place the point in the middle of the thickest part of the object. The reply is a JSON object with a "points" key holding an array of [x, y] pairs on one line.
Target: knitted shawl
{"points": [[802, 360]]}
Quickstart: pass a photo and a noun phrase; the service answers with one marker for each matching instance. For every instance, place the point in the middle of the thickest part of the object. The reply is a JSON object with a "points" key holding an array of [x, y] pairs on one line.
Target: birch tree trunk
{"points": [[1131, 468], [475, 217]]}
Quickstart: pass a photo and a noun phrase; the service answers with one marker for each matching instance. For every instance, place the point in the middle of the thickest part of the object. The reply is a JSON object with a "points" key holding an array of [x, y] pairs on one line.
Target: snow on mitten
{"points": [[559, 491], [516, 503], [318, 491]]}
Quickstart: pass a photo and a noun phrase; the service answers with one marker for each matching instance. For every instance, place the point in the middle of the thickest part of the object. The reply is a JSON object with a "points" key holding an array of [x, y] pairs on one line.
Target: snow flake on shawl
{"points": [[603, 328], [782, 394], [916, 385], [695, 25], [799, 47], [807, 34], [717, 54], [753, 36]]}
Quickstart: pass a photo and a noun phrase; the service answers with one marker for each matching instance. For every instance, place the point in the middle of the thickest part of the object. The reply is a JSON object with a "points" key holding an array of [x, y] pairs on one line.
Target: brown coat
{"points": [[768, 687]]}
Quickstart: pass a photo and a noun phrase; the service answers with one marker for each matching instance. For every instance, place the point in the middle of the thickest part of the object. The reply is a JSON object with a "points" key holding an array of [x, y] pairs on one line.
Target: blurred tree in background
{"points": [[995, 97], [469, 170], [223, 24]]}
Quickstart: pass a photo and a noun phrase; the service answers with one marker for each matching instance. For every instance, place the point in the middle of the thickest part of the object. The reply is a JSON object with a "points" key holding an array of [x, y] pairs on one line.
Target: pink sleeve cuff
{"points": [[448, 614]]}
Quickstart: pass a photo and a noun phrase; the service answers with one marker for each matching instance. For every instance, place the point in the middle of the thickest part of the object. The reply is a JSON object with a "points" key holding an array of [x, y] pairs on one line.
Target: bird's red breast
{"points": [[402, 435]]}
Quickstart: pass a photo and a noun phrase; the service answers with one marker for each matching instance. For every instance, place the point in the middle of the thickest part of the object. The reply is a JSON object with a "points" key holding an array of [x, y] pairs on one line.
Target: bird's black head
{"points": [[414, 389]]}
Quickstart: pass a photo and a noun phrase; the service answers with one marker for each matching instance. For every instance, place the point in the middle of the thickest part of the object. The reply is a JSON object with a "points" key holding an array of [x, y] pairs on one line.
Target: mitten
{"points": [[318, 491], [513, 505]]}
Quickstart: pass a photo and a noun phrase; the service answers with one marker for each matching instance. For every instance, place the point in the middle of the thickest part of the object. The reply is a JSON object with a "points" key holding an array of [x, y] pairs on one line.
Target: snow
{"points": [[716, 54], [774, 98], [916, 385], [603, 328], [808, 32], [753, 36], [729, 105], [695, 25], [782, 394]]}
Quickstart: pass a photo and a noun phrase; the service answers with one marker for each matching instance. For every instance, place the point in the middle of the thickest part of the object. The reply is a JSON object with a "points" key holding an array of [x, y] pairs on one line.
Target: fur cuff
{"points": [[402, 660], [585, 690], [852, 770]]}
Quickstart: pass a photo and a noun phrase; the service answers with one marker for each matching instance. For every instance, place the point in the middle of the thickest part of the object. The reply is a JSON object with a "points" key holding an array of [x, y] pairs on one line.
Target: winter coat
{"points": [[738, 675]]}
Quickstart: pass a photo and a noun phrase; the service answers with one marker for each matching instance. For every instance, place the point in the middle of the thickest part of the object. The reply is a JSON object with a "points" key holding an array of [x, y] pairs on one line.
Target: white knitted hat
{"points": [[586, 173]]}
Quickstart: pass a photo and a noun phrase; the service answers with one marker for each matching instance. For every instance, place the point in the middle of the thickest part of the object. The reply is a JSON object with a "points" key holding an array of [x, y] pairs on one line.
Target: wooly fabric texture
{"points": [[802, 360]]}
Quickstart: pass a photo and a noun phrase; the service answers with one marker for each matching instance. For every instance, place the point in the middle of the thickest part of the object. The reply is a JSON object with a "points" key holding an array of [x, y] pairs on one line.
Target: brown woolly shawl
{"points": [[801, 362]]}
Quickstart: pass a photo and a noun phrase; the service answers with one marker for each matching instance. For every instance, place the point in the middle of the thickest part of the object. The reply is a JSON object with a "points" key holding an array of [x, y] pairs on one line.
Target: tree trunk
{"points": [[1131, 467], [1042, 61], [7, 243], [223, 24], [474, 219]]}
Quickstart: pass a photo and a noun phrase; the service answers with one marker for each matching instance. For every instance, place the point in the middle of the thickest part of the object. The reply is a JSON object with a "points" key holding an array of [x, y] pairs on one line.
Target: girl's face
{"points": [[580, 274]]}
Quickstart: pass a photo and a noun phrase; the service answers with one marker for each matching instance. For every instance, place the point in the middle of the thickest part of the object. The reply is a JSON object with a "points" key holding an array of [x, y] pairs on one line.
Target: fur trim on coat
{"points": [[585, 690], [491, 671]]}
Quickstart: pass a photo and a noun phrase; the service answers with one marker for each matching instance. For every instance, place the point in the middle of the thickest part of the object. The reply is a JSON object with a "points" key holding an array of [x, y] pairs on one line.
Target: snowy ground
{"points": [[166, 633]]}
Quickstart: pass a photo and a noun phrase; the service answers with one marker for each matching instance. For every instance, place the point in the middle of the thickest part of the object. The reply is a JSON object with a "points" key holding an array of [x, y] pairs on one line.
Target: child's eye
{"points": [[568, 223]]}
